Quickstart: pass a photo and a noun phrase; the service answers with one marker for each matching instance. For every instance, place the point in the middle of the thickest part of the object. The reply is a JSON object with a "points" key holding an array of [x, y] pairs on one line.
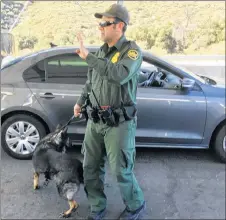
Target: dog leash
{"points": [[71, 119]]}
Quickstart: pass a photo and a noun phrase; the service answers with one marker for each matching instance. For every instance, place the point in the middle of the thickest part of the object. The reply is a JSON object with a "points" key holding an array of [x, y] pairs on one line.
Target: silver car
{"points": [[176, 108]]}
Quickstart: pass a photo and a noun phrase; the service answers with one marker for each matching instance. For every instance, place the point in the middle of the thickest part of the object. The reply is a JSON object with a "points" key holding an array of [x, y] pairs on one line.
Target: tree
{"points": [[165, 38], [27, 42]]}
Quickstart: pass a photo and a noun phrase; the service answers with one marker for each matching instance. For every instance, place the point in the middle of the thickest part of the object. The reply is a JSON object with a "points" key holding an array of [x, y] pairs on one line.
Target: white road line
{"points": [[200, 63]]}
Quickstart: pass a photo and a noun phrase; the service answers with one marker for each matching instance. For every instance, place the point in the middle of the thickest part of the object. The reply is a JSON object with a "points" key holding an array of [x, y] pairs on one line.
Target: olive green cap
{"points": [[115, 10]]}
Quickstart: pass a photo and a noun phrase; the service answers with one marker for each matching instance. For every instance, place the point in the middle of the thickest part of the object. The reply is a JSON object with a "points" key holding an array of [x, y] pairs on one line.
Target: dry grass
{"points": [[59, 21]]}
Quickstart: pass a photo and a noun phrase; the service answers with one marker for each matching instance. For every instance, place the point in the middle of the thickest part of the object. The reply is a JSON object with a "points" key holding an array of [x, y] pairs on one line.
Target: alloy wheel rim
{"points": [[22, 137], [224, 144]]}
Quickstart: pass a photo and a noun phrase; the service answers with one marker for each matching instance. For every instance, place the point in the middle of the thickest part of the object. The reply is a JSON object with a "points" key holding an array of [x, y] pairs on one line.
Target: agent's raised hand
{"points": [[82, 51]]}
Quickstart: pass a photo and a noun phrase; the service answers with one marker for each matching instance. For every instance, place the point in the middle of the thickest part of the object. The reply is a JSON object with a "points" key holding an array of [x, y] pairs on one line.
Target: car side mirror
{"points": [[187, 83]]}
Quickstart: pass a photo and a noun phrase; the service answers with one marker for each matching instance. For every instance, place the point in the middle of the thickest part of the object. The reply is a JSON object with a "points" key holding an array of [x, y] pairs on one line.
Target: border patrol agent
{"points": [[110, 132]]}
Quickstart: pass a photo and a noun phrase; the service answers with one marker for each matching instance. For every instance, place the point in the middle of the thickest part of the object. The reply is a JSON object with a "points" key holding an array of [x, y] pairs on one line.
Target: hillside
{"points": [[160, 27]]}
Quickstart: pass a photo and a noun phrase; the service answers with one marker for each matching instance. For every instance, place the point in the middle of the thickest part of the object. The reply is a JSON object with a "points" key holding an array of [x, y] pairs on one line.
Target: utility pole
{"points": [[120, 2]]}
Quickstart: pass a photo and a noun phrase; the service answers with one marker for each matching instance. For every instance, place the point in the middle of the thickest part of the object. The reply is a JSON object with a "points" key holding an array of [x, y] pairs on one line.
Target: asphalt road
{"points": [[178, 184]]}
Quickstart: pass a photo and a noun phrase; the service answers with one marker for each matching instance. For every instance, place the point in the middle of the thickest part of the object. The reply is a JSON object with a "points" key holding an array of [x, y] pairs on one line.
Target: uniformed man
{"points": [[112, 85]]}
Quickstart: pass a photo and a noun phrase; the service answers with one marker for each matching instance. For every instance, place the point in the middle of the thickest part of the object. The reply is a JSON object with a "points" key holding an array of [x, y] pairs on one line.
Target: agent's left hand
{"points": [[82, 51]]}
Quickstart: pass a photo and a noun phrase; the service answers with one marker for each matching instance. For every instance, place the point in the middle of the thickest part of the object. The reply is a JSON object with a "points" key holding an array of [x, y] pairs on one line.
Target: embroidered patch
{"points": [[133, 54], [115, 58]]}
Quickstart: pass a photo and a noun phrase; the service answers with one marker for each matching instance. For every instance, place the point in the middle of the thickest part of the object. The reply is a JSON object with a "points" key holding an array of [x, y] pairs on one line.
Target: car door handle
{"points": [[47, 95]]}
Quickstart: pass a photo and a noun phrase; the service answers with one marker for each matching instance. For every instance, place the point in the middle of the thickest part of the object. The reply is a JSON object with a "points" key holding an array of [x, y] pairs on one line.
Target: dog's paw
{"points": [[63, 215], [36, 187], [75, 208]]}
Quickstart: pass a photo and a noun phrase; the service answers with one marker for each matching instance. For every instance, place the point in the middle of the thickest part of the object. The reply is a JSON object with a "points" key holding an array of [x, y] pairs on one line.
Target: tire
{"points": [[19, 139], [219, 144]]}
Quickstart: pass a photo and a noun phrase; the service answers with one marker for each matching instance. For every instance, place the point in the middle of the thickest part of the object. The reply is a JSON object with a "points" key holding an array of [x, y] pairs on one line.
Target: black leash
{"points": [[70, 120]]}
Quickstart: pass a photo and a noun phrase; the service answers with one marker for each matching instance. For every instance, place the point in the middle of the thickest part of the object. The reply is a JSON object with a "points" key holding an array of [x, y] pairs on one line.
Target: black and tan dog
{"points": [[50, 159]]}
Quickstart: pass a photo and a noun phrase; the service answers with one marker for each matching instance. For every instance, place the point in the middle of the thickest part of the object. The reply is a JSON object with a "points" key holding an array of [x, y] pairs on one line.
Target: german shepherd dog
{"points": [[50, 159]]}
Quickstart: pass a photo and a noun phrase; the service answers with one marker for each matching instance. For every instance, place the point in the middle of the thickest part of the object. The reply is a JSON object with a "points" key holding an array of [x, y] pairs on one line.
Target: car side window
{"points": [[35, 73], [66, 69], [151, 76]]}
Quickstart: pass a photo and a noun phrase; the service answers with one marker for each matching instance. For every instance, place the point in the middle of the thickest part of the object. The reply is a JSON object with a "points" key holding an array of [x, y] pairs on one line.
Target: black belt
{"points": [[108, 113]]}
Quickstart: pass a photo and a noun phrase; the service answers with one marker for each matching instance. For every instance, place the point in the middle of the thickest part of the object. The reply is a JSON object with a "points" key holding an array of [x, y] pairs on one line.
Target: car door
{"points": [[170, 116], [58, 88]]}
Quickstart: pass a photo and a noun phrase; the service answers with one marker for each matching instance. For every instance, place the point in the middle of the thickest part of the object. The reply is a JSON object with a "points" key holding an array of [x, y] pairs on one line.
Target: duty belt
{"points": [[109, 115]]}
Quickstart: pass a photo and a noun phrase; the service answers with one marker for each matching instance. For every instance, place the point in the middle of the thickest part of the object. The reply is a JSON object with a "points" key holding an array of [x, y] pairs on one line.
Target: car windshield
{"points": [[196, 76]]}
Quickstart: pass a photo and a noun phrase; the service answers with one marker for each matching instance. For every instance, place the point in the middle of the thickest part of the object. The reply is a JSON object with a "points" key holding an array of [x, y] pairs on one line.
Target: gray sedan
{"points": [[176, 108]]}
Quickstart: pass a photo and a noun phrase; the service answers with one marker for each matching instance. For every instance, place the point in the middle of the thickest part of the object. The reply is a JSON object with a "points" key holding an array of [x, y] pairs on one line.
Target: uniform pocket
{"points": [[111, 93], [128, 158], [128, 149], [88, 127]]}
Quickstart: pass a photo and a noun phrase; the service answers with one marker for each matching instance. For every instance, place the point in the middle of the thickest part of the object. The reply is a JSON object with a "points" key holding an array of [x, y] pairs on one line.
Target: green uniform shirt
{"points": [[113, 74]]}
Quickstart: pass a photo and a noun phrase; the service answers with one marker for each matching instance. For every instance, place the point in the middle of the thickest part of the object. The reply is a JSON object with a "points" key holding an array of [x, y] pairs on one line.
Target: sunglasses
{"points": [[107, 23]]}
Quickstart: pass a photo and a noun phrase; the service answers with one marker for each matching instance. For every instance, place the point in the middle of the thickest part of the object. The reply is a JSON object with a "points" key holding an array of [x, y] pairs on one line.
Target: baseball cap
{"points": [[115, 10]]}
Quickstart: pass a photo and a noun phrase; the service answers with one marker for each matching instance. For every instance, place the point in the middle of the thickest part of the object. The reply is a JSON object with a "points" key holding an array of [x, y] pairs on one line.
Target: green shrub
{"points": [[165, 39], [208, 33], [27, 42]]}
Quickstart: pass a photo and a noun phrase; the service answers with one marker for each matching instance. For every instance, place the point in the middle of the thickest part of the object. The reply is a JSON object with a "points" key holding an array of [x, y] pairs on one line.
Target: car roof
{"points": [[62, 49], [71, 49], [58, 50]]}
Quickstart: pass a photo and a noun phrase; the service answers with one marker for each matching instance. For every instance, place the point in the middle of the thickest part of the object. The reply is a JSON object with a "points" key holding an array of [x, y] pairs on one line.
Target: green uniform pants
{"points": [[118, 145]]}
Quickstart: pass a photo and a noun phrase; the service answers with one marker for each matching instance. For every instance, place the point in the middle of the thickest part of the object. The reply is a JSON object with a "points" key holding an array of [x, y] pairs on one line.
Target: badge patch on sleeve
{"points": [[133, 54], [115, 57]]}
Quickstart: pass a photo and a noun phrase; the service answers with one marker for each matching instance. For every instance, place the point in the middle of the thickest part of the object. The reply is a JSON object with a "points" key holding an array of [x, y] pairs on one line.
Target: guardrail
{"points": [[207, 65], [195, 57]]}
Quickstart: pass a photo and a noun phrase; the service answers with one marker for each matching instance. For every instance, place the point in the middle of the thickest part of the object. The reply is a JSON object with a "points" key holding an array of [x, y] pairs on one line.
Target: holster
{"points": [[84, 109], [129, 112], [93, 114], [108, 116]]}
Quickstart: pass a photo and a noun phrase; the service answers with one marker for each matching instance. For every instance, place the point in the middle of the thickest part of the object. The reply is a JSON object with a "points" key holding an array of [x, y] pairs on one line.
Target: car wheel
{"points": [[20, 135], [220, 144]]}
